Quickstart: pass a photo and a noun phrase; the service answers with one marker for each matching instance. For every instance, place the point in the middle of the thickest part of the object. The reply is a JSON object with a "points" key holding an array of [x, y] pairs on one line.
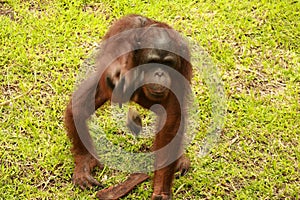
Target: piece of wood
{"points": [[120, 190]]}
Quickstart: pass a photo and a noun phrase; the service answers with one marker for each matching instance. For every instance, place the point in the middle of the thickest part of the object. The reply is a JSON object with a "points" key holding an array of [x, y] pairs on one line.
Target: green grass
{"points": [[255, 45]]}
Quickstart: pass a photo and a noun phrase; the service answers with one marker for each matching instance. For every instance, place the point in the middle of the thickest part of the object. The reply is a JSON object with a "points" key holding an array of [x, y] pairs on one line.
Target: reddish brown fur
{"points": [[84, 161]]}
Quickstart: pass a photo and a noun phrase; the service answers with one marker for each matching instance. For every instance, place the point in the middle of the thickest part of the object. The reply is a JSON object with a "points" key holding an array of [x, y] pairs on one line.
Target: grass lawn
{"points": [[254, 44]]}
